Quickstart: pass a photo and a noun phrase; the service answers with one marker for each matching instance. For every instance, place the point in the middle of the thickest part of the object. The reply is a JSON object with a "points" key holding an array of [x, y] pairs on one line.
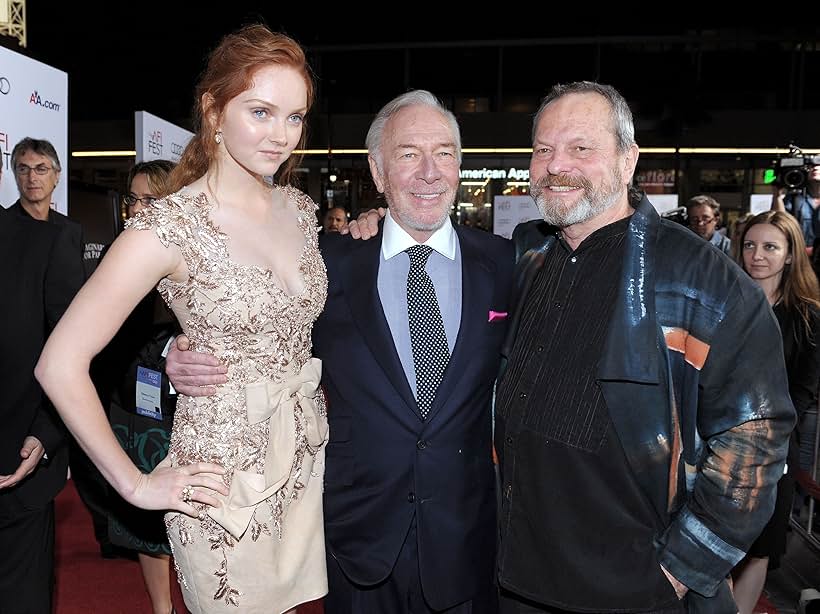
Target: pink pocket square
{"points": [[497, 315]]}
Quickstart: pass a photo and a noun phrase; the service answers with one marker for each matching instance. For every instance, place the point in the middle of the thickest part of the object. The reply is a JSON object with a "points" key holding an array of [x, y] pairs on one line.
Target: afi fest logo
{"points": [[155, 142], [5, 86], [46, 104], [5, 149]]}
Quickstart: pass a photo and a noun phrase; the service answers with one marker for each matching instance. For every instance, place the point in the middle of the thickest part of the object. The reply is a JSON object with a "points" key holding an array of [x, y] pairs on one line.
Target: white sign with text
{"points": [[510, 211], [33, 103], [758, 203], [157, 139]]}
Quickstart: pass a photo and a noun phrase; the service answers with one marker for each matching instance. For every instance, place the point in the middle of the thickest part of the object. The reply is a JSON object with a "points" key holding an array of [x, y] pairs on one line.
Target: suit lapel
{"points": [[359, 278], [477, 285]]}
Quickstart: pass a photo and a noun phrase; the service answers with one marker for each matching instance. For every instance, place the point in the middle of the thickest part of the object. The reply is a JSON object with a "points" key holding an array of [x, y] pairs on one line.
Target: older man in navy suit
{"points": [[410, 342], [409, 503]]}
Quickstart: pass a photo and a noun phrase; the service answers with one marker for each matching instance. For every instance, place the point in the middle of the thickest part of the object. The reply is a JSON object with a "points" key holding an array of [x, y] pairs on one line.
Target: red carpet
{"points": [[764, 606], [87, 583]]}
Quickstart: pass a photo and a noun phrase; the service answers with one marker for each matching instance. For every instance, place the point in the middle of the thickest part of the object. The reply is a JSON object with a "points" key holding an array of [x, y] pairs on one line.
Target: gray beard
{"points": [[592, 204], [585, 209]]}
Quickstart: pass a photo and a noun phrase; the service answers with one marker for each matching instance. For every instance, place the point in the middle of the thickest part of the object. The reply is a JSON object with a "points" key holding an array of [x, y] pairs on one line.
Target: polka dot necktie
{"points": [[427, 336]]}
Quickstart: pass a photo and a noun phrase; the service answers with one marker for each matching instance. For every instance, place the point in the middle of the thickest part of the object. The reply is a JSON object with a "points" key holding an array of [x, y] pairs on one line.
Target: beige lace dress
{"points": [[263, 549]]}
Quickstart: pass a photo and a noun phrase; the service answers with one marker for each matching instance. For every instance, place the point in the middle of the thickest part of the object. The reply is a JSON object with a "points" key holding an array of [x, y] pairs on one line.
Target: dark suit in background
{"points": [[40, 272], [73, 230], [91, 486], [389, 474]]}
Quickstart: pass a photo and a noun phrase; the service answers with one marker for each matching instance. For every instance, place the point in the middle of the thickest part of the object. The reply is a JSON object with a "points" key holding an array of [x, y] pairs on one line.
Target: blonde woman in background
{"points": [[144, 433]]}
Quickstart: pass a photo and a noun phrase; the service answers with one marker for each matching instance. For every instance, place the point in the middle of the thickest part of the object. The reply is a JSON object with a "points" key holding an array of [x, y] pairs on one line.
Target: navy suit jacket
{"points": [[384, 464]]}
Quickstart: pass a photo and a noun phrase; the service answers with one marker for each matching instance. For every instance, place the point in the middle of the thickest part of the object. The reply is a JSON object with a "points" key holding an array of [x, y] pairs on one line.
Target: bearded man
{"points": [[642, 413]]}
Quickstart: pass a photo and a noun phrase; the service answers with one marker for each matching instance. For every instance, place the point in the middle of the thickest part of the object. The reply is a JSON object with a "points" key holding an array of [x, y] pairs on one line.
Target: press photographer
{"points": [[797, 191]]}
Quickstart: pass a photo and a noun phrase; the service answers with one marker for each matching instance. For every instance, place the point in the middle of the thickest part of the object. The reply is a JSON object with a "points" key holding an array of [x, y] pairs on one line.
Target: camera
{"points": [[792, 170]]}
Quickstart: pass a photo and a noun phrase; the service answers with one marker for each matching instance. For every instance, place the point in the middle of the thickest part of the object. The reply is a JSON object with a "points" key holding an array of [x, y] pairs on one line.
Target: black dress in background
{"points": [[140, 342], [802, 355]]}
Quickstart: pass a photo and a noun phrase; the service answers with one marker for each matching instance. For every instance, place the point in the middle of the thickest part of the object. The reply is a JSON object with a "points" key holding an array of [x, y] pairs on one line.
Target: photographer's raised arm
{"points": [[778, 198]]}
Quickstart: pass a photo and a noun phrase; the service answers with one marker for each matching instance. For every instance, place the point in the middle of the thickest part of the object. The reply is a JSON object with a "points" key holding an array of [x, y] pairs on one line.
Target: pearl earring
{"points": [[218, 137]]}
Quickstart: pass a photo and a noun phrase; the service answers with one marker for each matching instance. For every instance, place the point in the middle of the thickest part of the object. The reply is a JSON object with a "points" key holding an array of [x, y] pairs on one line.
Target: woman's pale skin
{"points": [[155, 567], [260, 128], [765, 255]]}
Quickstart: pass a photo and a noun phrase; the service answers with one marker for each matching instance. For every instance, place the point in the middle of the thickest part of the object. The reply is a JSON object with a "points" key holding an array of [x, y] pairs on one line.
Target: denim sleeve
{"points": [[744, 418]]}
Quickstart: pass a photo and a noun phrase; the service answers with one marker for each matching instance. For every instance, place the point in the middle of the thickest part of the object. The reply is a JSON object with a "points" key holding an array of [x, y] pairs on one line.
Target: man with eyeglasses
{"points": [[36, 168], [703, 213], [38, 279]]}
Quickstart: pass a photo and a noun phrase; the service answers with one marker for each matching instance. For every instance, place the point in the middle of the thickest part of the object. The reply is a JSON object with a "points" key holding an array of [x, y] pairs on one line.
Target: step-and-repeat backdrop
{"points": [[33, 103]]}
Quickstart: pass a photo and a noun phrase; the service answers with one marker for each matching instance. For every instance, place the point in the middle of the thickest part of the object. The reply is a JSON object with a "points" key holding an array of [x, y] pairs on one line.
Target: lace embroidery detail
{"points": [[239, 314]]}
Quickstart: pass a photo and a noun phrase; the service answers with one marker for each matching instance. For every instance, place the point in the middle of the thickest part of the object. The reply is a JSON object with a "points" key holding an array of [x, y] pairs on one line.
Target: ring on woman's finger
{"points": [[187, 493]]}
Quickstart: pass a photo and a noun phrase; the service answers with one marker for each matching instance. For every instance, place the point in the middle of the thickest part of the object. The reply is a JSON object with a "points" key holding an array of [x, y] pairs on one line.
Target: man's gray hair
{"points": [[622, 124], [375, 134], [38, 146]]}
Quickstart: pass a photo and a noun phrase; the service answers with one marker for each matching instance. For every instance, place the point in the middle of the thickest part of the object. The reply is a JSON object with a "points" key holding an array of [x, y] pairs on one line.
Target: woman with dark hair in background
{"points": [[236, 257], [773, 253]]}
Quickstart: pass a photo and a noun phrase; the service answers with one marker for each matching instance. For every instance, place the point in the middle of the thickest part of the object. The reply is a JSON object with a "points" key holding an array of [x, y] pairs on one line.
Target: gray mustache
{"points": [[563, 181]]}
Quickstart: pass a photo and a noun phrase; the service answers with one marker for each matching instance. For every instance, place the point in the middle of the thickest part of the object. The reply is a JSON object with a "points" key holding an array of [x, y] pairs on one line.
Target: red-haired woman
{"points": [[236, 257]]}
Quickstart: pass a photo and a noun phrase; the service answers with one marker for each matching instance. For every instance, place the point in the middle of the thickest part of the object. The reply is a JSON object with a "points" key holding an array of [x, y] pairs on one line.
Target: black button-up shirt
{"points": [[577, 533]]}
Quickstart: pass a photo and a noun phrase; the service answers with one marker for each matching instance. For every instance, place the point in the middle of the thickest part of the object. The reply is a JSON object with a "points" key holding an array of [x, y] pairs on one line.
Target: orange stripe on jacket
{"points": [[693, 349], [674, 458]]}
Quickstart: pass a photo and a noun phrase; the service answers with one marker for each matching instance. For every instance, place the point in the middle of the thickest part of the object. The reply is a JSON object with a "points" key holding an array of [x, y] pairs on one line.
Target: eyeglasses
{"points": [[696, 221], [130, 200], [25, 169]]}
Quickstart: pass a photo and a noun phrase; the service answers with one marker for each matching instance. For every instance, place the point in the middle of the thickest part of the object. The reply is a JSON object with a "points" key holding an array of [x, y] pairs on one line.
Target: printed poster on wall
{"points": [[33, 103], [510, 211]]}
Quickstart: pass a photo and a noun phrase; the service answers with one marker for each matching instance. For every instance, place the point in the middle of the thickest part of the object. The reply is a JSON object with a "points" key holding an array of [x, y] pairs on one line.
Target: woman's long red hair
{"points": [[229, 72]]}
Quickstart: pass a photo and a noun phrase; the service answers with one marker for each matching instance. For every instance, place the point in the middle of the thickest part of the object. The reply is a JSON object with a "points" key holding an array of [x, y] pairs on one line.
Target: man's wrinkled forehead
{"points": [[575, 115], [416, 123]]}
